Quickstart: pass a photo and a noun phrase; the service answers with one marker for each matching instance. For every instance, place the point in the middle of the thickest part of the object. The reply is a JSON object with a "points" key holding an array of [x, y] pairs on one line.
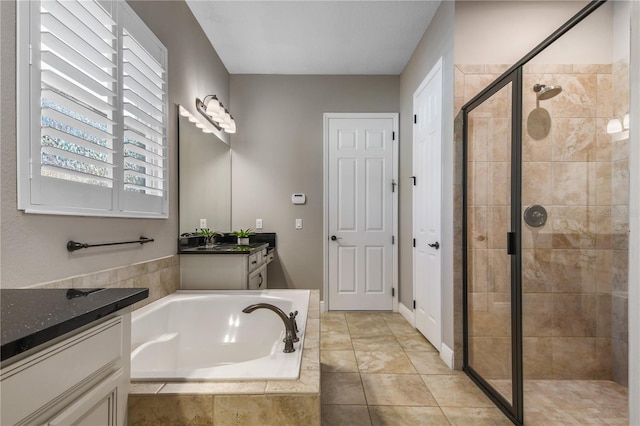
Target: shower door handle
{"points": [[511, 243]]}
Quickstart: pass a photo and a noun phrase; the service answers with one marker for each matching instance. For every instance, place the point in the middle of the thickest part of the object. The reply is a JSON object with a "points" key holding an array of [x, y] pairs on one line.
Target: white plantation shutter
{"points": [[97, 113]]}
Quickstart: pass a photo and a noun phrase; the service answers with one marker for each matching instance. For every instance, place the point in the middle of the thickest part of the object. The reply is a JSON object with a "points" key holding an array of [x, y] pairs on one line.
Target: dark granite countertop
{"points": [[31, 317], [224, 248]]}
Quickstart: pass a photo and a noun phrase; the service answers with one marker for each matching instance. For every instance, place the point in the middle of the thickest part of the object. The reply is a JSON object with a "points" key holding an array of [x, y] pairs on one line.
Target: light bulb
{"points": [[184, 112], [614, 126], [192, 118], [213, 107], [232, 126]]}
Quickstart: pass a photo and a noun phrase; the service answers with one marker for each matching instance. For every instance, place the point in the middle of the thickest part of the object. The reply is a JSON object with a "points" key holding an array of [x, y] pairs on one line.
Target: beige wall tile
{"points": [[537, 357], [491, 356], [170, 410], [537, 314], [574, 271], [574, 315], [267, 410], [566, 363], [574, 139]]}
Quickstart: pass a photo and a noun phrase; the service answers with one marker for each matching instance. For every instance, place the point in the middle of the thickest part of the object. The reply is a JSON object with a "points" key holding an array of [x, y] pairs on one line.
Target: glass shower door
{"points": [[489, 240]]}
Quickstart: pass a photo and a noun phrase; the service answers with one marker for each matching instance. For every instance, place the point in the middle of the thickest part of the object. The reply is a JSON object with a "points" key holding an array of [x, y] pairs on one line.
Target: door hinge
{"points": [[393, 292], [414, 242], [393, 239], [414, 304], [414, 180], [393, 136], [415, 119]]}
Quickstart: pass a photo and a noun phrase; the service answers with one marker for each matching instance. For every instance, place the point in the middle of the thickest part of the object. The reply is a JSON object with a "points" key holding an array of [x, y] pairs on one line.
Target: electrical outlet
{"points": [[298, 223], [258, 223], [203, 223]]}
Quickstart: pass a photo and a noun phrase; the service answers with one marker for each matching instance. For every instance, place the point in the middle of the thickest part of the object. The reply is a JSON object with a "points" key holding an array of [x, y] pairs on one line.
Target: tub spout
{"points": [[289, 323]]}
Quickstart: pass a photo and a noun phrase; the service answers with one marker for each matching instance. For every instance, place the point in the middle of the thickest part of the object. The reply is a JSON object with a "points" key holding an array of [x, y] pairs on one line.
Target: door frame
{"points": [[437, 68], [324, 304]]}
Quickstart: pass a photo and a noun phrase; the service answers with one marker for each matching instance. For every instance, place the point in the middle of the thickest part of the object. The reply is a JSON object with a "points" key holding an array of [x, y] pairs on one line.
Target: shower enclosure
{"points": [[545, 237]]}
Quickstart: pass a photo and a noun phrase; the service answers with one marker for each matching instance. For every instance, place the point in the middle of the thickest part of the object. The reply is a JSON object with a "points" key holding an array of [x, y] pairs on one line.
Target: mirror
{"points": [[204, 179]]}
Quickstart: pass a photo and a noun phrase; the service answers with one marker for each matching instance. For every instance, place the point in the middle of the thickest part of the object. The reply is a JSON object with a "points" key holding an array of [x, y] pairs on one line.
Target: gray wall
{"points": [[278, 150], [32, 247], [437, 42]]}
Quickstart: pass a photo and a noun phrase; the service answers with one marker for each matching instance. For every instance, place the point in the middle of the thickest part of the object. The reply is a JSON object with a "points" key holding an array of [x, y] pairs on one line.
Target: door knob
{"points": [[334, 238], [435, 245]]}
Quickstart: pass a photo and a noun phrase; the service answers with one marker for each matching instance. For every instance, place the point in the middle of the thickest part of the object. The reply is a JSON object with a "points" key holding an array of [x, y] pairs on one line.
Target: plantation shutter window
{"points": [[92, 130]]}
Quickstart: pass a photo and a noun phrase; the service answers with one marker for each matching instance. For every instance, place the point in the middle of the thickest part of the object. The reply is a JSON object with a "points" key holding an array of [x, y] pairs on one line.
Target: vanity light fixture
{"points": [[212, 109], [193, 119]]}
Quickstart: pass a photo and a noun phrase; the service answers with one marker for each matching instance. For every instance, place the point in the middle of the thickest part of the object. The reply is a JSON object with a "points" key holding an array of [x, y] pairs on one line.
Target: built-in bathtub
{"points": [[204, 335], [241, 400]]}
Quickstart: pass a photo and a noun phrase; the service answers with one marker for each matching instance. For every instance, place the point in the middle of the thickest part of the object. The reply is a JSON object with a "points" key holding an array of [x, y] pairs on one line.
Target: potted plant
{"points": [[243, 236], [207, 234]]}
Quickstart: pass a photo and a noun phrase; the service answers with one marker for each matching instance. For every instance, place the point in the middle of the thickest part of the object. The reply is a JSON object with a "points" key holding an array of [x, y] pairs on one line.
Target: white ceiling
{"points": [[314, 37]]}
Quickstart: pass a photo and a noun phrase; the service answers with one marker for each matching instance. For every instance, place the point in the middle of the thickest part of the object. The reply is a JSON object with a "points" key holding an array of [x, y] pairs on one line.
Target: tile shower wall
{"points": [[161, 276], [575, 267]]}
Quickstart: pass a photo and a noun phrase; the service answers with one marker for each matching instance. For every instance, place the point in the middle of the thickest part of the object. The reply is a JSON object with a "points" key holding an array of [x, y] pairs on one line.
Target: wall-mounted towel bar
{"points": [[74, 245]]}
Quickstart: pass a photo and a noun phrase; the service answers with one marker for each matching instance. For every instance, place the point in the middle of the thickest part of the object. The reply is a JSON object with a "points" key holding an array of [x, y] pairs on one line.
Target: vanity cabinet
{"points": [[82, 378], [227, 271]]}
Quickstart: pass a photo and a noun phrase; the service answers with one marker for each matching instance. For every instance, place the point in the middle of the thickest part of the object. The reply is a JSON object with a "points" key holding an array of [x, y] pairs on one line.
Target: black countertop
{"points": [[224, 249], [31, 317]]}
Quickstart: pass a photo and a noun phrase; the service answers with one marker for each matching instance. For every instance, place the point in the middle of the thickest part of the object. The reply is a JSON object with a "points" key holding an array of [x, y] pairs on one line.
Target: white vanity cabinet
{"points": [[224, 271], [81, 379]]}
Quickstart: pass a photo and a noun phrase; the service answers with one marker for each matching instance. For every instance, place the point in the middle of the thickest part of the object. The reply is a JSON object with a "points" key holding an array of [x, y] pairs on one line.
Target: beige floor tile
{"points": [[456, 391], [407, 416], [338, 361], [352, 415], [384, 362], [334, 326], [397, 389], [392, 317], [402, 328], [332, 316], [342, 388], [428, 362], [369, 329], [414, 342], [476, 416], [363, 317], [335, 342], [376, 343]]}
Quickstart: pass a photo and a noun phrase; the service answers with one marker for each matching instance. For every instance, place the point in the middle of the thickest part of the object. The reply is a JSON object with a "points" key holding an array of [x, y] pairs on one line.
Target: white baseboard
{"points": [[407, 313], [322, 307], [446, 354]]}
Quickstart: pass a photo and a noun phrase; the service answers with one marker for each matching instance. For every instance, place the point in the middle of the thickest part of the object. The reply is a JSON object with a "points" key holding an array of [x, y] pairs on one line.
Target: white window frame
{"points": [[72, 198]]}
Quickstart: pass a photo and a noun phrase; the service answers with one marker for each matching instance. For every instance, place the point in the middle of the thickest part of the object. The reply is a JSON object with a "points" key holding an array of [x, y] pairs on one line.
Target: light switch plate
{"points": [[298, 223], [203, 223], [258, 223]]}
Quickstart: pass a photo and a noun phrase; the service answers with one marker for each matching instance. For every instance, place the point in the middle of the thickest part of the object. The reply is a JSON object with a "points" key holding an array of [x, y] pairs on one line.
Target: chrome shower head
{"points": [[545, 92]]}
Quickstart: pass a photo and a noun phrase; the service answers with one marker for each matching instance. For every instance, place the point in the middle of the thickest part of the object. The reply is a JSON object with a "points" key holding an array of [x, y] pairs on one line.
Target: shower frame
{"points": [[514, 75]]}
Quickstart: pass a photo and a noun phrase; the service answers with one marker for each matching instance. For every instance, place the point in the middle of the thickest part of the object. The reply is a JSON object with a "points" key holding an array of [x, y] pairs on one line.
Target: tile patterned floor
{"points": [[378, 370]]}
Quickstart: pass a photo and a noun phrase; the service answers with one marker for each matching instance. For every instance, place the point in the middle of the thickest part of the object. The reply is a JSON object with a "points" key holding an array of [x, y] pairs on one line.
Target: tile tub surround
{"points": [[161, 276], [262, 402]]}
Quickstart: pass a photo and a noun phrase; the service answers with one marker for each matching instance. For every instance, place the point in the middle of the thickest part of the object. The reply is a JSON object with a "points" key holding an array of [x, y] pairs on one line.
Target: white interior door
{"points": [[427, 195], [360, 211]]}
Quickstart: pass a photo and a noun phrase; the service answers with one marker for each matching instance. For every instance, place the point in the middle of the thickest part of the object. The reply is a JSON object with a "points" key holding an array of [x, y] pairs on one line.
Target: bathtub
{"points": [[202, 335]]}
